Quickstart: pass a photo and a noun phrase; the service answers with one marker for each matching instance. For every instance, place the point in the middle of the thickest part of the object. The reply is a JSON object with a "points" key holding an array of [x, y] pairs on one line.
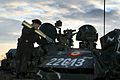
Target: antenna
{"points": [[104, 16]]}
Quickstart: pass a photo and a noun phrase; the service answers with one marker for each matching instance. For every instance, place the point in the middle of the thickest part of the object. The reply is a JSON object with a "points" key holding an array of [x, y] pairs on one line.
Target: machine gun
{"points": [[66, 37], [40, 33], [69, 35]]}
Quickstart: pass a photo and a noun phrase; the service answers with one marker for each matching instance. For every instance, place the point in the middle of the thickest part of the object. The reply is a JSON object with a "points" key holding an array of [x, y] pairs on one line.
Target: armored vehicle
{"points": [[58, 60]]}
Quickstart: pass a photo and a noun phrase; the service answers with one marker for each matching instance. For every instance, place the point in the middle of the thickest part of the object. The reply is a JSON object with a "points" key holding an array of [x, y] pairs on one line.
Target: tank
{"points": [[67, 63], [60, 61]]}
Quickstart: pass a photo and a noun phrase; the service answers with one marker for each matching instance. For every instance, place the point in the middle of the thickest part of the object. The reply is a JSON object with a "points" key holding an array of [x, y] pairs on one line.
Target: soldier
{"points": [[25, 47]]}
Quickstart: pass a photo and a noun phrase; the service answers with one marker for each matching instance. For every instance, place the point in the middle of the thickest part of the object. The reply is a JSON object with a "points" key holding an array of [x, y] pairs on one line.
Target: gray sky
{"points": [[73, 14]]}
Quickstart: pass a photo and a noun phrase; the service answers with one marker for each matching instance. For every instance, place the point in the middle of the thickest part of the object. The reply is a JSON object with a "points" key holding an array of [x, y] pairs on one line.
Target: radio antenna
{"points": [[104, 16]]}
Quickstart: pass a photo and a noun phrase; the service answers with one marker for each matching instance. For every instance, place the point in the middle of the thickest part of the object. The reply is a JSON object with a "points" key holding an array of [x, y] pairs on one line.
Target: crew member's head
{"points": [[36, 23]]}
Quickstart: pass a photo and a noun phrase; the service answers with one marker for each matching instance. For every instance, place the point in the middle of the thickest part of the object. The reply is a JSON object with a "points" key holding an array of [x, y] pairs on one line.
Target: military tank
{"points": [[60, 61]]}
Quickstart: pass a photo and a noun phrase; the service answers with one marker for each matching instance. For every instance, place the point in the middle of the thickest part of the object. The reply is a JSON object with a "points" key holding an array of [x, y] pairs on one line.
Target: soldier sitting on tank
{"points": [[25, 47], [88, 36]]}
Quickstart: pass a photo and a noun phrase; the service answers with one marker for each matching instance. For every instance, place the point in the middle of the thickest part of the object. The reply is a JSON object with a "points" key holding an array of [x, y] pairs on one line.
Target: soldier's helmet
{"points": [[87, 33]]}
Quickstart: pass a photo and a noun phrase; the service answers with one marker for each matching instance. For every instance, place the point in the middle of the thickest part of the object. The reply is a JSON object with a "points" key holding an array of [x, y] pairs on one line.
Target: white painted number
{"points": [[52, 61], [58, 61], [73, 62], [80, 62], [66, 62]]}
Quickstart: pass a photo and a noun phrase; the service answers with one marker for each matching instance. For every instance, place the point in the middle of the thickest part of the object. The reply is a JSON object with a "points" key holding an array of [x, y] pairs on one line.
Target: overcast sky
{"points": [[73, 14]]}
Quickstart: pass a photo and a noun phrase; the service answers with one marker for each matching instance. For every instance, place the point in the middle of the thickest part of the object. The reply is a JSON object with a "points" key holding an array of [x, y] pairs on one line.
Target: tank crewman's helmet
{"points": [[49, 30], [87, 33]]}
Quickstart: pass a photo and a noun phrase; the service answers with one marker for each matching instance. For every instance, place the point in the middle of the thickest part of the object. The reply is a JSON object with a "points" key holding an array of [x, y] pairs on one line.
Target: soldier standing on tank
{"points": [[25, 47]]}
